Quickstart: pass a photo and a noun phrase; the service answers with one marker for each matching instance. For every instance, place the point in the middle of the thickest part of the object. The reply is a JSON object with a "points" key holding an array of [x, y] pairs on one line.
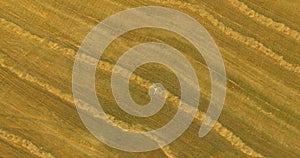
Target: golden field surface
{"points": [[259, 41]]}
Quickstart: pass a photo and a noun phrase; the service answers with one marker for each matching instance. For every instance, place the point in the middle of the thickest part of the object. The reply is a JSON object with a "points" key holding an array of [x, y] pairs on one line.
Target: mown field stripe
{"points": [[56, 47], [71, 52], [24, 143], [234, 140], [53, 45], [264, 20], [248, 41], [228, 135], [68, 98]]}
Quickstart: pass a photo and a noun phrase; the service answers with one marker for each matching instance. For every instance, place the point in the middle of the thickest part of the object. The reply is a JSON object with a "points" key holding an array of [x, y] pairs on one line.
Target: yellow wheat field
{"points": [[259, 42]]}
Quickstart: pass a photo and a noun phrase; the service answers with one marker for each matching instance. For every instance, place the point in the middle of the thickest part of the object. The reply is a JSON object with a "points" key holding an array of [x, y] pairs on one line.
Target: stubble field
{"points": [[259, 42]]}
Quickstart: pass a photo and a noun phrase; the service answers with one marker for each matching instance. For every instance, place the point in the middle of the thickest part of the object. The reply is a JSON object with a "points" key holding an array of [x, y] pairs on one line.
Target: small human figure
{"points": [[155, 89]]}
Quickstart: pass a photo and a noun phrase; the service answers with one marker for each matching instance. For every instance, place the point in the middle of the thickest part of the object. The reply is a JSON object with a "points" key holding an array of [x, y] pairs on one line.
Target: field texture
{"points": [[259, 41]]}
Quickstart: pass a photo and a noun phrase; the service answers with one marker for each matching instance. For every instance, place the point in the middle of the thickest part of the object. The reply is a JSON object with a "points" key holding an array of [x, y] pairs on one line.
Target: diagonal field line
{"points": [[221, 130], [24, 143], [69, 52], [212, 19], [264, 20]]}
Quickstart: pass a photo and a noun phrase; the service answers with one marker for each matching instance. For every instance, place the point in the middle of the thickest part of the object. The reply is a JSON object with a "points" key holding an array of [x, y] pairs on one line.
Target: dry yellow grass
{"points": [[261, 50]]}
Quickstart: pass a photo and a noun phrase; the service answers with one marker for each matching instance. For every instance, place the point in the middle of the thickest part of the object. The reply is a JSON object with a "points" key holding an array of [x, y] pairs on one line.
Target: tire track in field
{"points": [[248, 41], [234, 140], [266, 21], [23, 143]]}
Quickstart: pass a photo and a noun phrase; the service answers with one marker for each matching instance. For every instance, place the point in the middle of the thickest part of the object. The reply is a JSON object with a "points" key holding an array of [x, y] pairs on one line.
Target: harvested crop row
{"points": [[142, 82], [248, 41], [50, 44], [68, 98], [56, 46], [103, 65], [16, 140], [266, 21]]}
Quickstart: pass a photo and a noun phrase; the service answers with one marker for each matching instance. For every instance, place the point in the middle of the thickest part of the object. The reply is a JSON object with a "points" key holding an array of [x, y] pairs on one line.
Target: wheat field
{"points": [[259, 41]]}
